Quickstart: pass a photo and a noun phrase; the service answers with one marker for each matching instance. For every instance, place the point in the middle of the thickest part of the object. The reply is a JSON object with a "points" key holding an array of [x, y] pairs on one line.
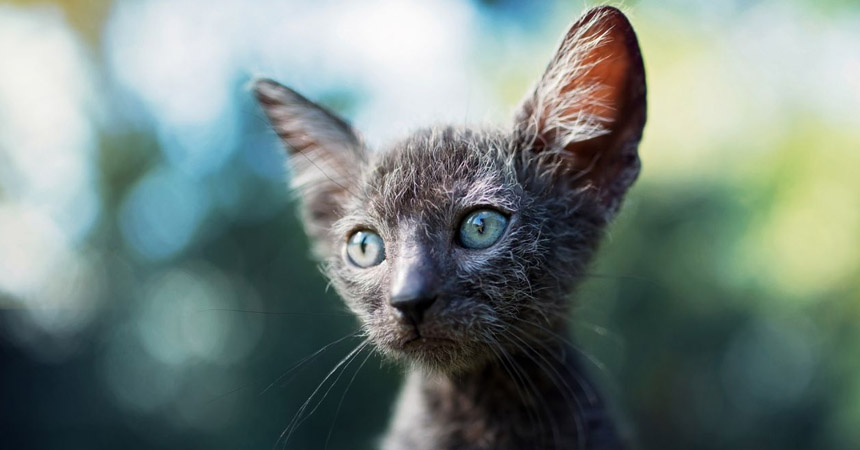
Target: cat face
{"points": [[455, 246], [469, 248]]}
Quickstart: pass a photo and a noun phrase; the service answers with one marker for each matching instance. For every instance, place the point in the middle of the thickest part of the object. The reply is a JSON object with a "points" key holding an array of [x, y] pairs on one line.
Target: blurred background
{"points": [[155, 285]]}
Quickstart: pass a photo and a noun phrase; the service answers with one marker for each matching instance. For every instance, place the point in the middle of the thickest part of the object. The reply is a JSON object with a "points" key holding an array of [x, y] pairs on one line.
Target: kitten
{"points": [[458, 248]]}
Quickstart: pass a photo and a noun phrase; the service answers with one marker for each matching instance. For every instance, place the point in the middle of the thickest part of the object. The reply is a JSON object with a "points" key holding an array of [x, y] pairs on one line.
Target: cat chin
{"points": [[439, 345], [422, 347], [441, 356]]}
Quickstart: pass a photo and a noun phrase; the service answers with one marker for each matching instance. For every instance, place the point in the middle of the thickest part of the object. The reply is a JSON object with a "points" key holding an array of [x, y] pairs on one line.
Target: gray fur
{"points": [[492, 368]]}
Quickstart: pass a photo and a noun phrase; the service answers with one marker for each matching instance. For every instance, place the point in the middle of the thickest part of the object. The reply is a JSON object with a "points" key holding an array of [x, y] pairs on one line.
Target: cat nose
{"points": [[414, 288], [411, 307]]}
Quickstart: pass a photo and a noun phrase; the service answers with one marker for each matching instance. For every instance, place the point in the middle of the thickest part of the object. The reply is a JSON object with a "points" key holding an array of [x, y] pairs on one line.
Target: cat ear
{"points": [[325, 153], [589, 106]]}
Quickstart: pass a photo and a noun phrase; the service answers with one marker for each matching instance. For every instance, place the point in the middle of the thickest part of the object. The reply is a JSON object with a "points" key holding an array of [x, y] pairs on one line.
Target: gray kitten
{"points": [[458, 248]]}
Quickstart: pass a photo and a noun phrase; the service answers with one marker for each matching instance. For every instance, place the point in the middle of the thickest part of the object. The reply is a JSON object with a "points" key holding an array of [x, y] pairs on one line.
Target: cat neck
{"points": [[535, 399]]}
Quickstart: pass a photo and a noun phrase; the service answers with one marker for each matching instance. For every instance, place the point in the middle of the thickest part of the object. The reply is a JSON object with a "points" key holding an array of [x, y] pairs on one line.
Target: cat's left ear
{"points": [[325, 155], [589, 106]]}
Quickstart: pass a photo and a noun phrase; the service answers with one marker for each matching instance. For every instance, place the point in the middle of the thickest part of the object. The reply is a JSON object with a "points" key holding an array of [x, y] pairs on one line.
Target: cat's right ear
{"points": [[588, 109], [325, 154]]}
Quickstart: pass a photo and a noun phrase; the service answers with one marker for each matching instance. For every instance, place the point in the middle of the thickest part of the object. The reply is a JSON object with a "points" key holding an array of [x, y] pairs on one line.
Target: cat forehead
{"points": [[444, 171]]}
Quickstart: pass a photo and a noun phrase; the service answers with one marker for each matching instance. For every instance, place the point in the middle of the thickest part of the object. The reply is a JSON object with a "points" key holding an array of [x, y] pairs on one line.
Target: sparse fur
{"points": [[493, 369]]}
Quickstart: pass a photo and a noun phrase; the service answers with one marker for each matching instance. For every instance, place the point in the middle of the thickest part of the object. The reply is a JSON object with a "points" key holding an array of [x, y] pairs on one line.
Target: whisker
{"points": [[553, 424], [556, 378], [599, 365], [332, 385], [343, 396], [297, 419], [580, 381], [495, 347], [529, 385], [308, 358], [313, 162], [597, 330], [296, 366], [276, 313], [610, 276], [548, 364]]}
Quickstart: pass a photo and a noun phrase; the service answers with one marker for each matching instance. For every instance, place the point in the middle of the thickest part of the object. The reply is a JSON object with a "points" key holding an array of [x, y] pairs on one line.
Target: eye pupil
{"points": [[480, 225]]}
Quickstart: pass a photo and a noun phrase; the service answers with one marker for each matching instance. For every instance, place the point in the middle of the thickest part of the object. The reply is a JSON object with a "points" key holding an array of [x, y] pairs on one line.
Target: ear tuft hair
{"points": [[589, 106], [326, 155]]}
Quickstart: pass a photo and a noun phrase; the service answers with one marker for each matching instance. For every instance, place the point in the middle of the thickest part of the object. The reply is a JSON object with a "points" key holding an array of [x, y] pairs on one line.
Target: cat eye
{"points": [[365, 249], [482, 228]]}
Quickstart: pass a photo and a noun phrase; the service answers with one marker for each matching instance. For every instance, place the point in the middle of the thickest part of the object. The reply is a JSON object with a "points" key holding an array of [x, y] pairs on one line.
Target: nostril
{"points": [[412, 308]]}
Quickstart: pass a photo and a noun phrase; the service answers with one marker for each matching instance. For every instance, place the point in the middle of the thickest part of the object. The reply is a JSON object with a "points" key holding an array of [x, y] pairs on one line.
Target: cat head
{"points": [[454, 244]]}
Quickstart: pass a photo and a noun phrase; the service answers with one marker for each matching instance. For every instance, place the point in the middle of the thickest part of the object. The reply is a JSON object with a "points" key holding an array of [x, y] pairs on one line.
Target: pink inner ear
{"points": [[606, 73], [591, 103]]}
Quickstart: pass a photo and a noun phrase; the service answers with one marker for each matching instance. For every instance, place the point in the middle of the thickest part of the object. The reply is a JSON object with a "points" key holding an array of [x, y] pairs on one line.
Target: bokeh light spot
{"points": [[162, 213]]}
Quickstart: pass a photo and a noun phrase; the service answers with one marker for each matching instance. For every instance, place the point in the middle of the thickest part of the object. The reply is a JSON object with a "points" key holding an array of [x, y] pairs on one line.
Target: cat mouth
{"points": [[419, 342]]}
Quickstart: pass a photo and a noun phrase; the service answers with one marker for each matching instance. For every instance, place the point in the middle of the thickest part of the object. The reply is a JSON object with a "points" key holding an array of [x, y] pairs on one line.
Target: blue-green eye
{"points": [[365, 249], [482, 228]]}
